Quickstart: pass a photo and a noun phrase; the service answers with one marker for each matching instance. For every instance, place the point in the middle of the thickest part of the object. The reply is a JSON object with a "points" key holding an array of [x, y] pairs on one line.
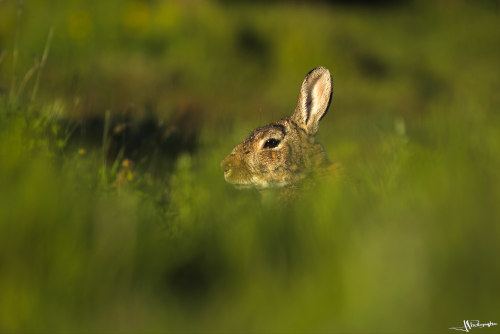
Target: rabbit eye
{"points": [[271, 143]]}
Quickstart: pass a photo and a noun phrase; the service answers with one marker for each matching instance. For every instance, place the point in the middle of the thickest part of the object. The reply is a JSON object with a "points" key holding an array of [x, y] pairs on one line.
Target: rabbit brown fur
{"points": [[283, 153]]}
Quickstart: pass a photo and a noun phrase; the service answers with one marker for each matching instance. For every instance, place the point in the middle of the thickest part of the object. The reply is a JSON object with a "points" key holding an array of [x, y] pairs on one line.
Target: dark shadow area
{"points": [[147, 141]]}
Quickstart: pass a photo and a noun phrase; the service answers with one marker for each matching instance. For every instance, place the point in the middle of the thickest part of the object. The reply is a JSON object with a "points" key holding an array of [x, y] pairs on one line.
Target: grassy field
{"points": [[114, 214]]}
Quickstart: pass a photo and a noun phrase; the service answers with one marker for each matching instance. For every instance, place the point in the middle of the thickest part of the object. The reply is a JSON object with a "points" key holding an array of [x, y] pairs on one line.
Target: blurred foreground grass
{"points": [[407, 241]]}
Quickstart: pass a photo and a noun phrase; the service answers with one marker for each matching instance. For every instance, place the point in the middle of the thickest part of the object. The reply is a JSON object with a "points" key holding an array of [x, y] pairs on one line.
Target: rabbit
{"points": [[282, 154]]}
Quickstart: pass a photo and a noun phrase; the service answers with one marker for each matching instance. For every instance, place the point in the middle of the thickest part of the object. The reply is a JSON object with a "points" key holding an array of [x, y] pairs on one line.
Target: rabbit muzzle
{"points": [[235, 172]]}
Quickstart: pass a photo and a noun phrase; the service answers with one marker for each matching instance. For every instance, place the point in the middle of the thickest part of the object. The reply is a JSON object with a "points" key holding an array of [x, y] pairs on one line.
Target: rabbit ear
{"points": [[314, 99]]}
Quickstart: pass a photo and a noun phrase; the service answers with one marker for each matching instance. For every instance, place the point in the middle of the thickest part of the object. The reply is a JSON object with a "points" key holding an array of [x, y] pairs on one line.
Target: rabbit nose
{"points": [[226, 166]]}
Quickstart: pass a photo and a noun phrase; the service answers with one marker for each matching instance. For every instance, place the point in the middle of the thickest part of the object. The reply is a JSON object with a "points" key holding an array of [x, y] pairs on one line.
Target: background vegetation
{"points": [[114, 215]]}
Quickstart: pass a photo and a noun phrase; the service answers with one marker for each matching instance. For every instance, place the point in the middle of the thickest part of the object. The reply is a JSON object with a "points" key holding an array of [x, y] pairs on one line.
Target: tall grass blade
{"points": [[42, 63], [15, 50]]}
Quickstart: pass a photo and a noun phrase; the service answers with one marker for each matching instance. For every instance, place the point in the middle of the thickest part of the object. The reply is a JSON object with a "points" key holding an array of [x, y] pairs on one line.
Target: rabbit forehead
{"points": [[276, 130]]}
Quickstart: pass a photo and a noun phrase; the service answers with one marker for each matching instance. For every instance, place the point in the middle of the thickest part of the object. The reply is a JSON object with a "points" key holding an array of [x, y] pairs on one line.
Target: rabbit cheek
{"points": [[271, 167], [269, 159]]}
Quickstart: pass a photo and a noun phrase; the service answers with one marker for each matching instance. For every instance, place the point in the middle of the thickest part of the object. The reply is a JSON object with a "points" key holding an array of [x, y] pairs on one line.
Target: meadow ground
{"points": [[114, 215]]}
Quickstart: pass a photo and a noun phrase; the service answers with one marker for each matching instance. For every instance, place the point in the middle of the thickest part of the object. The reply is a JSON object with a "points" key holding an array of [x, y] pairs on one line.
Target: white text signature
{"points": [[468, 324]]}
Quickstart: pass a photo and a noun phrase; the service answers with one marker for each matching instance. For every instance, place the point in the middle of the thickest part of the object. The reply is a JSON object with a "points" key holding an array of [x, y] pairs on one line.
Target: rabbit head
{"points": [[284, 152]]}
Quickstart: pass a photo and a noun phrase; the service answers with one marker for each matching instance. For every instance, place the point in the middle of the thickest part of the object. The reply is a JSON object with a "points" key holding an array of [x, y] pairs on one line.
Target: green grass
{"points": [[406, 241]]}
